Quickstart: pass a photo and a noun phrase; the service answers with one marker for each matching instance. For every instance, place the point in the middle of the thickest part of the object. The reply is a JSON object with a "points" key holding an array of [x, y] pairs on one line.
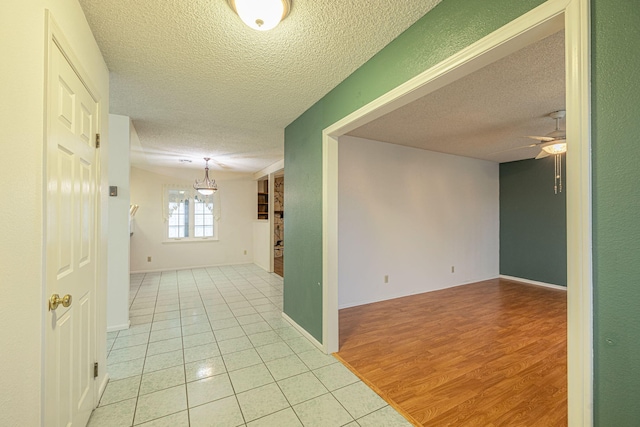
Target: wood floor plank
{"points": [[491, 353], [278, 265]]}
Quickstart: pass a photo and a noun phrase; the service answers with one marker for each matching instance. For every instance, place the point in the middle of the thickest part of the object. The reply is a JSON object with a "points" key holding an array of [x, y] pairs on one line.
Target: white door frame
{"points": [[57, 40], [268, 174], [574, 17]]}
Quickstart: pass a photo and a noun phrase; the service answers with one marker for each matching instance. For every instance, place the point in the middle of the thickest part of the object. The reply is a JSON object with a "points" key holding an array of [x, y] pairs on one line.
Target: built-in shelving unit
{"points": [[263, 199], [263, 205]]}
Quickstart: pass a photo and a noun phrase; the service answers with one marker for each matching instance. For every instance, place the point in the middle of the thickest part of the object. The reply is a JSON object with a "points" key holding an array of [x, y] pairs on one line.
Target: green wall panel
{"points": [[448, 28], [533, 226], [616, 192], [452, 25], [303, 199]]}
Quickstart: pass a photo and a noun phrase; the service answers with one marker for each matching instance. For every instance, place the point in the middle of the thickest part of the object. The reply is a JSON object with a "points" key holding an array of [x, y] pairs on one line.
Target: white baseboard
{"points": [[533, 282], [407, 294], [306, 334], [121, 327], [263, 267], [160, 270], [402, 295]]}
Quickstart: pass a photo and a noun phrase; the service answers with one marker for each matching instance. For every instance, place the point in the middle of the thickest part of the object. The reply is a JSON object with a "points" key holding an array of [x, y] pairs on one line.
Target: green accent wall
{"points": [[615, 36], [451, 26], [444, 31], [533, 222]]}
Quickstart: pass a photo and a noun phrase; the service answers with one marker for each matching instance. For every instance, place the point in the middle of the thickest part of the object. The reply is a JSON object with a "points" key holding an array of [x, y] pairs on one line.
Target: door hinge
{"points": [[97, 140], [95, 370]]}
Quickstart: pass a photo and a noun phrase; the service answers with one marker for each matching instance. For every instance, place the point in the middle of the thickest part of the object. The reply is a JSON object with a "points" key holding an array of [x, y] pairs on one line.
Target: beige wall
{"points": [[122, 135], [238, 205], [22, 124]]}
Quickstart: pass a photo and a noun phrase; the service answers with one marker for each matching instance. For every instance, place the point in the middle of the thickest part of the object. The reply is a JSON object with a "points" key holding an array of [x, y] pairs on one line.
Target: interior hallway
{"points": [[492, 353], [209, 347]]}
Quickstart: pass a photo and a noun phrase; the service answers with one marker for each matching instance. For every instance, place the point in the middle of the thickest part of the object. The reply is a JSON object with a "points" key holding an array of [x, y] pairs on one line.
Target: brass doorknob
{"points": [[55, 301]]}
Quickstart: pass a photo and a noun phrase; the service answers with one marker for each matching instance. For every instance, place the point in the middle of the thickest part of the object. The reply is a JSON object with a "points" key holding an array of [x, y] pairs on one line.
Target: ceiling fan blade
{"points": [[542, 138], [514, 148], [542, 155], [557, 134]]}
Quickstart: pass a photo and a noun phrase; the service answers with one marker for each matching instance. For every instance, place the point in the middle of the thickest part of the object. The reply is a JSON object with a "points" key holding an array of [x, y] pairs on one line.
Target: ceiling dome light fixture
{"points": [[261, 15], [206, 186], [558, 146]]}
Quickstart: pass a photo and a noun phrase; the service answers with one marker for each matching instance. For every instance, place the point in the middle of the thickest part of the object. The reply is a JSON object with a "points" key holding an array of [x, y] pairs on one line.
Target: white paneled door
{"points": [[71, 175]]}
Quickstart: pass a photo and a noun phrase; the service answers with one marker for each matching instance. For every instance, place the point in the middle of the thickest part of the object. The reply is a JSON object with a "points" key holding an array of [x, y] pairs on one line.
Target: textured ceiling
{"points": [[197, 82], [487, 112]]}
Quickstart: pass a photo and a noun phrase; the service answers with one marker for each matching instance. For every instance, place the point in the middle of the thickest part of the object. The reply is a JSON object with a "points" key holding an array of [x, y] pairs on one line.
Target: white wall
{"points": [[263, 230], [22, 127], [412, 214], [121, 131], [262, 251], [238, 211]]}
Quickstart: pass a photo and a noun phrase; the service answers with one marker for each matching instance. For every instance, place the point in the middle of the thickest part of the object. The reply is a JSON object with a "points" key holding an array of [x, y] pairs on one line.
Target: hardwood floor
{"points": [[278, 265], [492, 353]]}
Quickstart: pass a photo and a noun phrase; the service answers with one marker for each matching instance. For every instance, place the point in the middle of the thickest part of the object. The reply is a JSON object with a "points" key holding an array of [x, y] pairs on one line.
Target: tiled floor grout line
{"points": [[279, 386], [135, 407], [184, 364], [233, 290], [184, 358], [147, 349], [244, 417], [235, 395]]}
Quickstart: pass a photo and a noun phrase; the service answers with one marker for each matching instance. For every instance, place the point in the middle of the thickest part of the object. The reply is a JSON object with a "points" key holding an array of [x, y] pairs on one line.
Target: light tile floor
{"points": [[209, 347]]}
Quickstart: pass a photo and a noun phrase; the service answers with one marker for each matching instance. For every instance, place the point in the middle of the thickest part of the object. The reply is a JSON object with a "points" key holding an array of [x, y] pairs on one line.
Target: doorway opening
{"points": [[278, 224], [543, 21]]}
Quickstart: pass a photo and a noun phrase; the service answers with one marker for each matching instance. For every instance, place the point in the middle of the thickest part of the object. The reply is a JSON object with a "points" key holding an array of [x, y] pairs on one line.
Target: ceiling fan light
{"points": [[555, 147], [261, 15]]}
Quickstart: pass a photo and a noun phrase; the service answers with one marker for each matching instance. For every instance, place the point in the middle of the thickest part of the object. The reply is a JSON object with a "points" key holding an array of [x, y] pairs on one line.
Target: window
{"points": [[189, 215], [203, 219]]}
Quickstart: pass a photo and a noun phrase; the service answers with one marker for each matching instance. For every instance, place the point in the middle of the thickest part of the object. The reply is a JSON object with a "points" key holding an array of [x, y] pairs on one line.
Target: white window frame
{"points": [[190, 195]]}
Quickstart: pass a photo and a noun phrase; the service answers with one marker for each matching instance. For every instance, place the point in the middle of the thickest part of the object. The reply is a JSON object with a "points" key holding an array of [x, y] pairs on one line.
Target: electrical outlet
{"points": [[386, 278], [148, 259], [453, 269]]}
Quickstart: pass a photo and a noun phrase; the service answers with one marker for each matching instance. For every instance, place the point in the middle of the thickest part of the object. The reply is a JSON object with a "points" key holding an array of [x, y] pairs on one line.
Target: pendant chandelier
{"points": [[206, 186]]}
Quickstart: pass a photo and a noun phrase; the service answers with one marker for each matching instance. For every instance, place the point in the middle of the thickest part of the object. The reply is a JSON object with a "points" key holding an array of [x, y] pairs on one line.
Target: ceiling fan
{"points": [[554, 142]]}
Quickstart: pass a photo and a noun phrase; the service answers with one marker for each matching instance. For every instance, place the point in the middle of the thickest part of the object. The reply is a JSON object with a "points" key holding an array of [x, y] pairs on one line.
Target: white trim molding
{"points": [[159, 270], [546, 19], [276, 167], [330, 321], [304, 333], [103, 385], [121, 327], [533, 282], [579, 217]]}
